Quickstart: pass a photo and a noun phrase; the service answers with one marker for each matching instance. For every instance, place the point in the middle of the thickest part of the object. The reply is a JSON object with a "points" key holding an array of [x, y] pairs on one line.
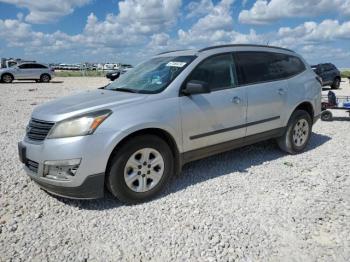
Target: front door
{"points": [[216, 117]]}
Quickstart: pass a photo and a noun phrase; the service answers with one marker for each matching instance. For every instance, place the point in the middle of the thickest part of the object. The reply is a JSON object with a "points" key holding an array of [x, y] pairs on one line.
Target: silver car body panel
{"points": [[194, 122]]}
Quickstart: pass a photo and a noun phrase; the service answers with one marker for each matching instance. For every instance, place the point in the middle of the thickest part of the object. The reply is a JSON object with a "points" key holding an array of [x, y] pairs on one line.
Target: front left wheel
{"points": [[7, 78], [140, 169]]}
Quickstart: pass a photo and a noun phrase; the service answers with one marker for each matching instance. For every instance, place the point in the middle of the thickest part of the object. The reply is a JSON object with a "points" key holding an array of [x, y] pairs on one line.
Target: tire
{"points": [[45, 78], [128, 163], [336, 83], [297, 134], [7, 78], [327, 116]]}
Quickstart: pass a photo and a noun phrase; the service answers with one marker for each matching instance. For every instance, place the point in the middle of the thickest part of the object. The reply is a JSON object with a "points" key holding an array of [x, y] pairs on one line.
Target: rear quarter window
{"points": [[255, 67], [39, 66]]}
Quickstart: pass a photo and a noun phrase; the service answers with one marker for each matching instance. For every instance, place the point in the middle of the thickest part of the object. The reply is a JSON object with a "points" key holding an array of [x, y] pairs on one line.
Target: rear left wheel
{"points": [[297, 134], [45, 78], [140, 169]]}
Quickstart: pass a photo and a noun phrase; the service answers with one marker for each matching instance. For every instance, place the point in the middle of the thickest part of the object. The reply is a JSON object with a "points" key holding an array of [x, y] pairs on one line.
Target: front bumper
{"points": [[91, 188], [88, 180]]}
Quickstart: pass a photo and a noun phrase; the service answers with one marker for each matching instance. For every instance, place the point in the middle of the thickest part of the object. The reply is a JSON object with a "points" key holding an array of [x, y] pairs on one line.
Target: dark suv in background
{"points": [[329, 73]]}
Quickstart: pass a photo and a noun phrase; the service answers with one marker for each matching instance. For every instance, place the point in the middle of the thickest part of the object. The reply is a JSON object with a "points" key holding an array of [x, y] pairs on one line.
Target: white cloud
{"points": [[137, 19], [212, 27], [43, 11], [137, 22], [151, 15], [321, 54], [141, 29], [161, 39], [327, 30], [264, 12], [199, 8]]}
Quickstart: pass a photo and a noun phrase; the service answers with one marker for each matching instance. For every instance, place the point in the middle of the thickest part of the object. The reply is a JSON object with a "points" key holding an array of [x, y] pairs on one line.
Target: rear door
{"points": [[38, 70], [217, 117], [261, 73], [26, 71]]}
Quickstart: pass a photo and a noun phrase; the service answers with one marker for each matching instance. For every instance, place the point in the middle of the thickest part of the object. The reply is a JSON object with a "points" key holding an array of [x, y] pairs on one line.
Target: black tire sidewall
{"points": [[336, 83], [326, 116], [42, 78], [298, 115], [2, 78], [115, 174]]}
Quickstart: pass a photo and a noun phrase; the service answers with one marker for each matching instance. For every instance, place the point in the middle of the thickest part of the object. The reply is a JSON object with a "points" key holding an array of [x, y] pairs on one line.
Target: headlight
{"points": [[79, 126]]}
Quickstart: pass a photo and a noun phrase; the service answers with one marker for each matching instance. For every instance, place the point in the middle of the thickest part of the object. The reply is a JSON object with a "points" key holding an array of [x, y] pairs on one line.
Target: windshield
{"points": [[152, 76]]}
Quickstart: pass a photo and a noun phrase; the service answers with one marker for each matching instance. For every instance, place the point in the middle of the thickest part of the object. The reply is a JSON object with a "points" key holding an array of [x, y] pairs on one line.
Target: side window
{"points": [[252, 67], [293, 65], [30, 66], [217, 71], [255, 67], [328, 67], [39, 66], [24, 66]]}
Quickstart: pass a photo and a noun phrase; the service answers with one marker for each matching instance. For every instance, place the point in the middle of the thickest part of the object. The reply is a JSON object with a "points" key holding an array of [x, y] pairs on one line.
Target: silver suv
{"points": [[27, 71], [134, 134]]}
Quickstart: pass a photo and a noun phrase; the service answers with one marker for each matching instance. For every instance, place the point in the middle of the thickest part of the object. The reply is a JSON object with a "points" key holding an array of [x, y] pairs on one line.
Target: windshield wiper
{"points": [[122, 89]]}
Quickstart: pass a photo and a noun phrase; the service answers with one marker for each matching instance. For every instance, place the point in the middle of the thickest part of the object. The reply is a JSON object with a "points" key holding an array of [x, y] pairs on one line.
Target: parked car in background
{"points": [[329, 74], [27, 71], [177, 107], [113, 75]]}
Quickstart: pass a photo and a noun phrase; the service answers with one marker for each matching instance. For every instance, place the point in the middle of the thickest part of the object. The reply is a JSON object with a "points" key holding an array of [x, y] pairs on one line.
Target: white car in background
{"points": [[27, 71]]}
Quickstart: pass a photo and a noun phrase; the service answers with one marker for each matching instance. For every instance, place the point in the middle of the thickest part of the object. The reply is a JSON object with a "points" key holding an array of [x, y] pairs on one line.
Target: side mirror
{"points": [[196, 87]]}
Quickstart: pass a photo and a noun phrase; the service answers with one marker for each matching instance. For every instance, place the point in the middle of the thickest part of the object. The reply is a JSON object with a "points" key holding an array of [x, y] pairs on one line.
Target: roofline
{"points": [[243, 45], [171, 51]]}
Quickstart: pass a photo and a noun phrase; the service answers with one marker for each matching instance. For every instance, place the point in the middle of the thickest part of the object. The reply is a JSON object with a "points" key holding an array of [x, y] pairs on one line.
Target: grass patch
{"points": [[345, 74], [80, 73]]}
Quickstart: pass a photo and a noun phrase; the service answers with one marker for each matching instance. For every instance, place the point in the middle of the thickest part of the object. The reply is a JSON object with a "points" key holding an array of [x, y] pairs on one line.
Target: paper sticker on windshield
{"points": [[176, 64]]}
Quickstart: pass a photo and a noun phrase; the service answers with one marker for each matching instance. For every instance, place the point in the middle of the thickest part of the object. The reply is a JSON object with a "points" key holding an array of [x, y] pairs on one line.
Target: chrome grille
{"points": [[32, 165], [38, 129]]}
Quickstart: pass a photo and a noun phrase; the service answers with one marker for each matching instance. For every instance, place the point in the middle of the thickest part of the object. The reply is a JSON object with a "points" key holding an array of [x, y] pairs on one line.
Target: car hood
{"points": [[84, 102]]}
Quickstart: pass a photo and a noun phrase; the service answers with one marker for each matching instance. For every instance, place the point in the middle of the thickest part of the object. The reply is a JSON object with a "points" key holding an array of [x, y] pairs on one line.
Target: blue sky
{"points": [[130, 31]]}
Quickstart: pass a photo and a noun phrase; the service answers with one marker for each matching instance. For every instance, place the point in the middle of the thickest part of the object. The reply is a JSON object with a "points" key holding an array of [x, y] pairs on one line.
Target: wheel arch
{"points": [[161, 133], [45, 74], [306, 106], [7, 73]]}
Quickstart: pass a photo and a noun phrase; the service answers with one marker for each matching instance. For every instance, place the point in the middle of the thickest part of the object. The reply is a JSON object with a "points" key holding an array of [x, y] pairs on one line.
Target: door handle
{"points": [[236, 100], [281, 91]]}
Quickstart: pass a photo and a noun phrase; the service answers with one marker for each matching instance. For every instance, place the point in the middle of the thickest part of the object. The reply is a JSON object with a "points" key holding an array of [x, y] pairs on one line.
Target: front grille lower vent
{"points": [[37, 130], [32, 165]]}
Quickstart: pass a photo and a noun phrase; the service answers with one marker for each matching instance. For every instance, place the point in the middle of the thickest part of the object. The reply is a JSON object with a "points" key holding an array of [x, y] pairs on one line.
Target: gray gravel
{"points": [[254, 203]]}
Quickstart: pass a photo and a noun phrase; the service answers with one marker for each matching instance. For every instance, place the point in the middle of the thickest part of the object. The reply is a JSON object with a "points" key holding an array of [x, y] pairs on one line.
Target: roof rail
{"points": [[172, 51], [243, 45]]}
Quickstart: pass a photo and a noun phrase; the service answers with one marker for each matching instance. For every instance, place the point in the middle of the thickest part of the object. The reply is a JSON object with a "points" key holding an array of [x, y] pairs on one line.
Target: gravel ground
{"points": [[254, 203]]}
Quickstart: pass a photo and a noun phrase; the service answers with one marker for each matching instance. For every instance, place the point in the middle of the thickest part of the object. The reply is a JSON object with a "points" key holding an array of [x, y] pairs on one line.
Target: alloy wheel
{"points": [[301, 132], [143, 170]]}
